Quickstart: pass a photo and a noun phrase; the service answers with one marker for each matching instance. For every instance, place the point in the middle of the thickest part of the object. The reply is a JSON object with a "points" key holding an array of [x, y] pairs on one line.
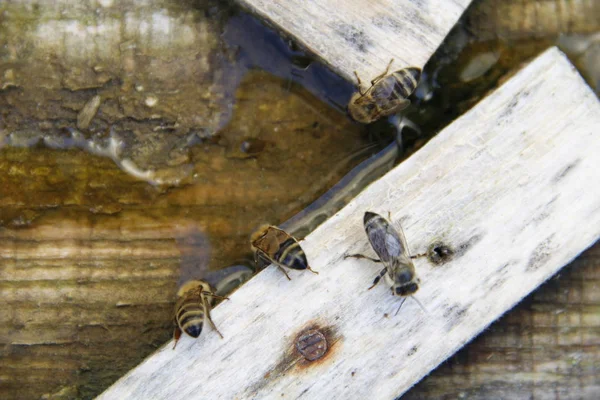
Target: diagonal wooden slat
{"points": [[509, 186], [361, 35]]}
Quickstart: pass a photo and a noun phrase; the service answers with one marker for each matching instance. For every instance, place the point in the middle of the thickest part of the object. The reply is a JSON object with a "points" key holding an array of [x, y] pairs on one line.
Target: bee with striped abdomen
{"points": [[387, 95], [273, 245], [192, 308], [392, 249]]}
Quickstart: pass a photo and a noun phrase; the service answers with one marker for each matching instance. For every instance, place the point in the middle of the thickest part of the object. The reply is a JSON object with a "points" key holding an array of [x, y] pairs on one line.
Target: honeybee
{"points": [[273, 245], [386, 96], [193, 306], [392, 249]]}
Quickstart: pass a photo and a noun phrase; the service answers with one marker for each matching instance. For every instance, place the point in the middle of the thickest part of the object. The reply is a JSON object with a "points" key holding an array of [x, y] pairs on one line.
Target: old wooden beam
{"points": [[508, 187], [363, 35]]}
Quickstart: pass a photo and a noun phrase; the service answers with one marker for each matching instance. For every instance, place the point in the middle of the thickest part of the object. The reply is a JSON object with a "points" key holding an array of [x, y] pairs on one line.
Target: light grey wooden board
{"points": [[510, 186], [363, 35]]}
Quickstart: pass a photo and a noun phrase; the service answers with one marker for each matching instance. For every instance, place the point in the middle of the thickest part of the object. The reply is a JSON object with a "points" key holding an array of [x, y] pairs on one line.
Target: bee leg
{"points": [[284, 271], [387, 69], [402, 302], [361, 256], [215, 295], [211, 294], [419, 255], [207, 313], [420, 305], [258, 261], [271, 261], [256, 258], [378, 278], [176, 336], [359, 84], [312, 270], [213, 325]]}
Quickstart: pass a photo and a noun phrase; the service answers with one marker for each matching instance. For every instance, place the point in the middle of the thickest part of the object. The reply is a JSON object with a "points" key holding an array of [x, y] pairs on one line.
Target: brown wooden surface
{"points": [[89, 258]]}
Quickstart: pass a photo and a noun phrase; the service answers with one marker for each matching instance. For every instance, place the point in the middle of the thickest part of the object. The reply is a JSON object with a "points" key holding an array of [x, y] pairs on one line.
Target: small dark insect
{"points": [[392, 249], [273, 245], [193, 305], [387, 95]]}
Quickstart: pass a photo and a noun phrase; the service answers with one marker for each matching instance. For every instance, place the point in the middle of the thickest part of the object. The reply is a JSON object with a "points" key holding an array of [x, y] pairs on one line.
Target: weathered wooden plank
{"points": [[507, 186], [547, 347], [363, 35]]}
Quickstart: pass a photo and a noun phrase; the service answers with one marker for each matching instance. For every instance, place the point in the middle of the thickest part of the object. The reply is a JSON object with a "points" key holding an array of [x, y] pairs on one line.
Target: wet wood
{"points": [[506, 186], [89, 256], [529, 19], [364, 35], [156, 68]]}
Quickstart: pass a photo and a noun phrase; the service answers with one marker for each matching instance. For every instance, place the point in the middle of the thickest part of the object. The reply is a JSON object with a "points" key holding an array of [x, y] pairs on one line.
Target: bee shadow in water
{"points": [[194, 247]]}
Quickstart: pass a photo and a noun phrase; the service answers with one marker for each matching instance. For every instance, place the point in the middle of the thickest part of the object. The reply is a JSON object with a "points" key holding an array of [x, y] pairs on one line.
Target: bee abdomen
{"points": [[407, 80], [190, 317], [291, 255]]}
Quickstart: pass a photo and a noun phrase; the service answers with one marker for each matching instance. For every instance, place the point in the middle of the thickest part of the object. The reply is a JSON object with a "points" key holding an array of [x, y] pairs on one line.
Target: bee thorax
{"points": [[404, 277]]}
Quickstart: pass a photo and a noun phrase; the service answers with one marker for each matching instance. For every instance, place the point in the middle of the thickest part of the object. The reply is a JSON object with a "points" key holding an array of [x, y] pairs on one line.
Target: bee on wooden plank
{"points": [[273, 245], [392, 249], [192, 308], [387, 95]]}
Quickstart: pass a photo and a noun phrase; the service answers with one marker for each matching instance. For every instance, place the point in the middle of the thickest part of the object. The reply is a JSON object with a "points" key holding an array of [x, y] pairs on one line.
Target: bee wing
{"points": [[402, 237], [382, 91], [280, 234], [270, 240], [194, 246], [385, 242], [394, 106]]}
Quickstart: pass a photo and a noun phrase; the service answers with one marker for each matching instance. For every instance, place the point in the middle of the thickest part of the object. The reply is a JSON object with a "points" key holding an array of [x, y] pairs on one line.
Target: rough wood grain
{"points": [[364, 35], [547, 347], [519, 19], [89, 259], [507, 186]]}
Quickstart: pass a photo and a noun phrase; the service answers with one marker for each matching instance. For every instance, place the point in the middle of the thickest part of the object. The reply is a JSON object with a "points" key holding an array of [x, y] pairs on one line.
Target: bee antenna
{"points": [[420, 305], [402, 302]]}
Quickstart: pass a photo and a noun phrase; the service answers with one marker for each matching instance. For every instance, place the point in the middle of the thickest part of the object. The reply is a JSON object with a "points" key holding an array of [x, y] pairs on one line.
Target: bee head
{"points": [[405, 290], [369, 215], [193, 285], [362, 109]]}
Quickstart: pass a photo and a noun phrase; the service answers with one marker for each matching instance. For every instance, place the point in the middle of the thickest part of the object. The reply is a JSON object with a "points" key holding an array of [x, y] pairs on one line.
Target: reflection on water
{"points": [[282, 58], [352, 183], [195, 254], [194, 249]]}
